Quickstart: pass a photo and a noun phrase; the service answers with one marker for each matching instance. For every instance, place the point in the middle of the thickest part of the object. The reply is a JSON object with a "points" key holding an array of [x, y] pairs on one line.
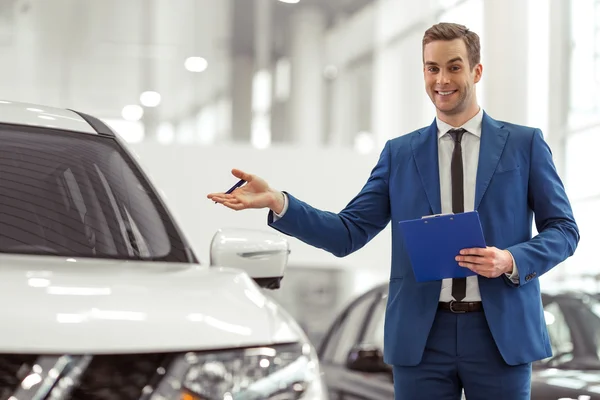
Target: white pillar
{"points": [[307, 28], [504, 59], [262, 83], [242, 70], [559, 80], [400, 103], [341, 100], [150, 14]]}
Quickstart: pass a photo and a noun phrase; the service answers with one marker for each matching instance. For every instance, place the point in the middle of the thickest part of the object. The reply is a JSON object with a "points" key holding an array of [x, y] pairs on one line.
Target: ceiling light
{"points": [[290, 1], [364, 142], [150, 98], [196, 64], [132, 112]]}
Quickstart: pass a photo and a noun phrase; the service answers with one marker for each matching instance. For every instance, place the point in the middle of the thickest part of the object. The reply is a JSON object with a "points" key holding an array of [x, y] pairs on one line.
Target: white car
{"points": [[103, 298]]}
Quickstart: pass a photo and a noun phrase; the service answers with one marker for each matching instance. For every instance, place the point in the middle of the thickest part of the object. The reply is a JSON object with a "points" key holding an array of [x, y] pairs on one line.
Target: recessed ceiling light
{"points": [[196, 64], [290, 1], [150, 98], [132, 112]]}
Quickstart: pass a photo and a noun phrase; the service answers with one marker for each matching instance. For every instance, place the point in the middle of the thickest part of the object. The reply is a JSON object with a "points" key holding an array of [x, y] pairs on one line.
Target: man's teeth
{"points": [[446, 93]]}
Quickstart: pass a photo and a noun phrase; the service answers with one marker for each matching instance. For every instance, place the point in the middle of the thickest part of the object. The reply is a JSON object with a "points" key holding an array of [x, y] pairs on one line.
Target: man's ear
{"points": [[478, 72]]}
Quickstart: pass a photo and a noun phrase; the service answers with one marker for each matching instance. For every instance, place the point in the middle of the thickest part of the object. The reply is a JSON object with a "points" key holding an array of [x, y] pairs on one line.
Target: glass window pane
{"points": [[78, 195], [374, 333], [584, 98], [584, 261], [346, 333], [582, 162]]}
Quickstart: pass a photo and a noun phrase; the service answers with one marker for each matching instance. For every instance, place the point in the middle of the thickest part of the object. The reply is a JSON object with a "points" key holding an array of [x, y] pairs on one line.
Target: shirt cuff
{"points": [[285, 207], [514, 276]]}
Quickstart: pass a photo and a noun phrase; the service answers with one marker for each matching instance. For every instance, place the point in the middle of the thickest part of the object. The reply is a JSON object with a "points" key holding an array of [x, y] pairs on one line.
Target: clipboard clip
{"points": [[436, 215]]}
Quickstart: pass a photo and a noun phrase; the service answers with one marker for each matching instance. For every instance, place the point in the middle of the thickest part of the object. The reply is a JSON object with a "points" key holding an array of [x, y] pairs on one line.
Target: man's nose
{"points": [[442, 78]]}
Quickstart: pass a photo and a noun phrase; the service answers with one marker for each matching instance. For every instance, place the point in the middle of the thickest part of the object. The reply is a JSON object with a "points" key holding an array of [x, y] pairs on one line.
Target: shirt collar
{"points": [[473, 126]]}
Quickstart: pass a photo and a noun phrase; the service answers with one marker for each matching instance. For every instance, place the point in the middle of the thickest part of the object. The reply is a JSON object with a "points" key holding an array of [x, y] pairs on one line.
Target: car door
{"points": [[348, 331]]}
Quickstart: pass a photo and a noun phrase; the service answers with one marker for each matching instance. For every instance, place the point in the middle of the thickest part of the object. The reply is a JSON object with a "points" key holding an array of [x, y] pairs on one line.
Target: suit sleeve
{"points": [[349, 230], [558, 234]]}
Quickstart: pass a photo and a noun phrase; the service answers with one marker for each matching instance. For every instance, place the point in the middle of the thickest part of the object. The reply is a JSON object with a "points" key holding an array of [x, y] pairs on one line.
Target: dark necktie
{"points": [[459, 285]]}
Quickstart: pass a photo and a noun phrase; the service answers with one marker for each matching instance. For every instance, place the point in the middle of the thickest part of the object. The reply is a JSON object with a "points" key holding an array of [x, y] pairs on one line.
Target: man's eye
{"points": [[433, 69]]}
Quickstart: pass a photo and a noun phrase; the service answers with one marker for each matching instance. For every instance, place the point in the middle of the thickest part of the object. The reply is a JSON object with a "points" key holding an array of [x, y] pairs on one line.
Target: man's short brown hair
{"points": [[450, 31]]}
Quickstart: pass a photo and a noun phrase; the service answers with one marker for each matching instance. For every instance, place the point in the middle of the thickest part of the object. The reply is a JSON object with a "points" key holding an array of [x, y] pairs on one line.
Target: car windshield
{"points": [[79, 195], [574, 329]]}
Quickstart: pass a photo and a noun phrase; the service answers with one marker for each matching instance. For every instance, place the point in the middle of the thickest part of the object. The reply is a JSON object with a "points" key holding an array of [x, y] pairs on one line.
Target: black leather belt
{"points": [[459, 307]]}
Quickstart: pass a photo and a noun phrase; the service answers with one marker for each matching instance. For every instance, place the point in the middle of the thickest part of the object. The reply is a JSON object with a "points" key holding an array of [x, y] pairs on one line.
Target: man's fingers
{"points": [[241, 175], [476, 251], [471, 259]]}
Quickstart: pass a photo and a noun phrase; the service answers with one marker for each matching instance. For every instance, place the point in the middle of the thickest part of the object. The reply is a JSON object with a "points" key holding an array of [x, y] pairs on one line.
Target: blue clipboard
{"points": [[433, 242]]}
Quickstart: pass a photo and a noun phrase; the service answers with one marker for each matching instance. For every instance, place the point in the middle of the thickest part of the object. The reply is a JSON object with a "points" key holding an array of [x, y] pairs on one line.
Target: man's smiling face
{"points": [[449, 79]]}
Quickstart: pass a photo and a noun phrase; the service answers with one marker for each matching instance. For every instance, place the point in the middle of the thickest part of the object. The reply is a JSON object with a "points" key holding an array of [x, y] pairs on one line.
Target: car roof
{"points": [[17, 113]]}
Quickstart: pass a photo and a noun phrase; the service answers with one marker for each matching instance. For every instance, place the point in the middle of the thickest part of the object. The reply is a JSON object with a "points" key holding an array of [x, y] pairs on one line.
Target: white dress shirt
{"points": [[470, 142], [470, 152]]}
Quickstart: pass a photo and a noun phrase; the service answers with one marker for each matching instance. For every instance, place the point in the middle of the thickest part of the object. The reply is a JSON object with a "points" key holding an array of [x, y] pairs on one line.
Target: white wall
{"points": [[327, 179]]}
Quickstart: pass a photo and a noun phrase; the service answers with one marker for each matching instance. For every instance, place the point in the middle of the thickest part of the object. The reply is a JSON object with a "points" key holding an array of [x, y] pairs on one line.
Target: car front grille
{"points": [[100, 377]]}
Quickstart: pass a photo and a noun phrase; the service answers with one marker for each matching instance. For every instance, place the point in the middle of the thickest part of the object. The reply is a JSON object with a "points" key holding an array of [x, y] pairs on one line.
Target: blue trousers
{"points": [[461, 353]]}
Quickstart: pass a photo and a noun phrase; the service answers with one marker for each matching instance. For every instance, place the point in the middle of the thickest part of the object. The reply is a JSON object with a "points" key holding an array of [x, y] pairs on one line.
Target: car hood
{"points": [[59, 305]]}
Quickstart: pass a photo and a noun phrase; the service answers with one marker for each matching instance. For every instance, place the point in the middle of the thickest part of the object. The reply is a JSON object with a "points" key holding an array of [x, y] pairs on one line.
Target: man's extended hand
{"points": [[490, 262], [256, 193]]}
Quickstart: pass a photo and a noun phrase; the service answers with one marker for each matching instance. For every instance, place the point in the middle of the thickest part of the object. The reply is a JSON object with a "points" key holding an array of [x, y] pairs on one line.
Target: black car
{"points": [[352, 351]]}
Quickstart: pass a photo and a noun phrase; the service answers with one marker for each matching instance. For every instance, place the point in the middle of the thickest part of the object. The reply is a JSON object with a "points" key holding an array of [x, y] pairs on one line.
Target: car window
{"points": [[558, 330], [374, 332], [587, 313], [73, 194], [346, 332]]}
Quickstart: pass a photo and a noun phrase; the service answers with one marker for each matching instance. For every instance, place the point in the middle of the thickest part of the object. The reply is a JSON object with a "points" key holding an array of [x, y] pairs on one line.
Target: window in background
{"points": [[186, 131], [582, 164], [360, 113], [261, 109], [538, 74], [470, 14], [206, 124], [583, 140], [165, 133], [585, 64], [584, 263]]}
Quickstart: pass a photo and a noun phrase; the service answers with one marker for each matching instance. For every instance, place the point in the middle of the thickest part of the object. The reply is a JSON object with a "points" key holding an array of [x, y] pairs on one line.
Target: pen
{"points": [[237, 185]]}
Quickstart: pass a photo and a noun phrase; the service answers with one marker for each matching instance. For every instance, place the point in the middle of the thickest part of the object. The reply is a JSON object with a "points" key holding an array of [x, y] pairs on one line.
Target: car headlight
{"points": [[282, 372]]}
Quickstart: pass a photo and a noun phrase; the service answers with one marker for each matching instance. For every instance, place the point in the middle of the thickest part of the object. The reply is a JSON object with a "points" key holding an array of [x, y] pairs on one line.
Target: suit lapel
{"points": [[493, 140], [425, 152]]}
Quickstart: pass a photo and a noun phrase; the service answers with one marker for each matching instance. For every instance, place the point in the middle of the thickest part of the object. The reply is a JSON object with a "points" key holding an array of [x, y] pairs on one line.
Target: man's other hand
{"points": [[255, 193], [490, 262]]}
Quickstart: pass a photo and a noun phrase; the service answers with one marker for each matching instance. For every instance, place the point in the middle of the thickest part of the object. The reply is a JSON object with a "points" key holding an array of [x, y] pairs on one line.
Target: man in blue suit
{"points": [[479, 333]]}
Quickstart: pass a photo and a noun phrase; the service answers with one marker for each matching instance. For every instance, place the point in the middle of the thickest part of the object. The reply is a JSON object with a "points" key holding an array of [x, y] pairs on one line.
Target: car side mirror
{"points": [[367, 358], [262, 255]]}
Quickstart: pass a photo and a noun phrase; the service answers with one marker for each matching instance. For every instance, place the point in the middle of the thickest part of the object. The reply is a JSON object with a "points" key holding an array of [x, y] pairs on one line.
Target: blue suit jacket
{"points": [[516, 179]]}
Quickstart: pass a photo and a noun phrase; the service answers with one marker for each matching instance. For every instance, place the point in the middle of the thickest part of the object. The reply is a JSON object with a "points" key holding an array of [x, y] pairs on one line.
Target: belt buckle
{"points": [[453, 310]]}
